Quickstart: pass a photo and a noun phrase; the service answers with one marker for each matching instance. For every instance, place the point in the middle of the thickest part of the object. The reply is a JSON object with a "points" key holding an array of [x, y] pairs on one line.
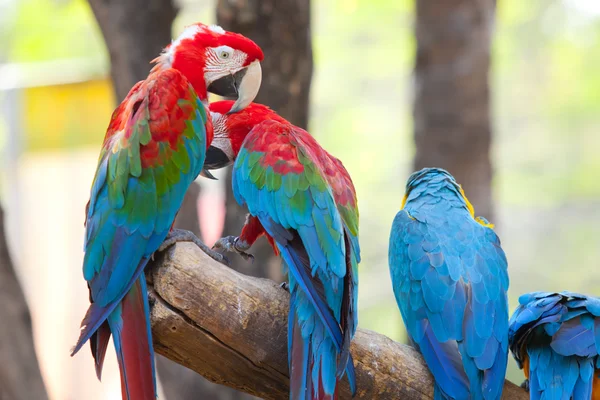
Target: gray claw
{"points": [[231, 244], [285, 286], [525, 385], [181, 235]]}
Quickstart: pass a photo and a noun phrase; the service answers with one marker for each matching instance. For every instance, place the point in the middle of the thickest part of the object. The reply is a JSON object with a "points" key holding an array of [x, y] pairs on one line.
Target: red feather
{"points": [[274, 143], [161, 93], [137, 359]]}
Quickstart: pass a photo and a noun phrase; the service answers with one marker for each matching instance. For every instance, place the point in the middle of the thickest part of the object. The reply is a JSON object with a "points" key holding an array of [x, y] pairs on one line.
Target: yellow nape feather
{"points": [[484, 223], [472, 211], [404, 201]]}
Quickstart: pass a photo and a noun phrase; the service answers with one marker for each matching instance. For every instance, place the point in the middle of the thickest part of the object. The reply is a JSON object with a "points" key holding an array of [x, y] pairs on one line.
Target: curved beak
{"points": [[215, 159], [248, 87], [243, 85], [206, 173]]}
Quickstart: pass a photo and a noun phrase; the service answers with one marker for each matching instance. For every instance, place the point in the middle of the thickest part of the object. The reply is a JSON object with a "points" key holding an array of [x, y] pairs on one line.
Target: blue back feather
{"points": [[556, 333], [450, 279]]}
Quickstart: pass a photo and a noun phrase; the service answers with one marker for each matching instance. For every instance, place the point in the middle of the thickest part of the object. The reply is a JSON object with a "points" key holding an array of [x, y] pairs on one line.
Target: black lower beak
{"points": [[228, 85], [215, 159]]}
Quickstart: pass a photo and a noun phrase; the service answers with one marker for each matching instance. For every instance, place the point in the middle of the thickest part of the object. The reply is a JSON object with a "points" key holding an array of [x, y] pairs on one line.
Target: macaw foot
{"points": [[233, 244], [285, 286], [181, 235], [525, 385]]}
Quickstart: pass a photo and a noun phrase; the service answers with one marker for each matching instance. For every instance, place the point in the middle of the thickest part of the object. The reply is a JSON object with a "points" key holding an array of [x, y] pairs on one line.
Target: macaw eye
{"points": [[224, 54]]}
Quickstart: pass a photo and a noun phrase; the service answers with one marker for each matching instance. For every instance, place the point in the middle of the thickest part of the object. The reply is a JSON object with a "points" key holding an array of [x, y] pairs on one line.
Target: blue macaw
{"points": [[555, 338], [450, 279]]}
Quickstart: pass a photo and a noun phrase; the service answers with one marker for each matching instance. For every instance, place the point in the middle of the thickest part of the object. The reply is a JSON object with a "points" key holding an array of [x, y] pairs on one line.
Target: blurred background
{"points": [[506, 96]]}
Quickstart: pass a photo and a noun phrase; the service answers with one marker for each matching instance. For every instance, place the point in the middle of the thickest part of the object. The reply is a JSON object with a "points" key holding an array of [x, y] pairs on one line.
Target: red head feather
{"points": [[236, 126], [191, 53]]}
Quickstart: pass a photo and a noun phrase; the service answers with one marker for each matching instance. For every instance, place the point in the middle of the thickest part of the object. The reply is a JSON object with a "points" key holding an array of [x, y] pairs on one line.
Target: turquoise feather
{"points": [[450, 279]]}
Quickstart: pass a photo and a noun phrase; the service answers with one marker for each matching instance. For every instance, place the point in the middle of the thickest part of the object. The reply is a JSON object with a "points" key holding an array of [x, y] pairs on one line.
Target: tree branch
{"points": [[232, 329]]}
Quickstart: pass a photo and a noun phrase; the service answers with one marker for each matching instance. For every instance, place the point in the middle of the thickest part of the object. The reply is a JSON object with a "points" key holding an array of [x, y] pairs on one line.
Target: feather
{"points": [[154, 148], [449, 278], [560, 341]]}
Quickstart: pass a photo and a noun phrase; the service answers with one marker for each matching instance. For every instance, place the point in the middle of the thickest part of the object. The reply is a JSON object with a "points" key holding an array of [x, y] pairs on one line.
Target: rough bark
{"points": [[452, 126], [232, 329], [20, 376], [135, 32], [282, 29]]}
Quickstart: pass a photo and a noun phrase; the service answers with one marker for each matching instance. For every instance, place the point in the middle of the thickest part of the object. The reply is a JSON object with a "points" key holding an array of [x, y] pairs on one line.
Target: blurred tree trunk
{"points": [[20, 377], [282, 29], [452, 124], [135, 32]]}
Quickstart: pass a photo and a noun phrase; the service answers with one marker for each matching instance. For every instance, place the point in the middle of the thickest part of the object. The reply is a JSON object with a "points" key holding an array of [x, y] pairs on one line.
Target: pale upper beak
{"points": [[243, 85], [248, 88]]}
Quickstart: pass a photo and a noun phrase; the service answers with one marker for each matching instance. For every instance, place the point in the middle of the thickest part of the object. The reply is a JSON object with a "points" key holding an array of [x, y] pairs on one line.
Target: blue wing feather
{"points": [[557, 333], [300, 214], [461, 277], [117, 245]]}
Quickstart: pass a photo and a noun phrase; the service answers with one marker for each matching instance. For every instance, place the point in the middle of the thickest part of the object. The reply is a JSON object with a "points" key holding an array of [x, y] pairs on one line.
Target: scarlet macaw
{"points": [[303, 200], [154, 148], [449, 275], [555, 338]]}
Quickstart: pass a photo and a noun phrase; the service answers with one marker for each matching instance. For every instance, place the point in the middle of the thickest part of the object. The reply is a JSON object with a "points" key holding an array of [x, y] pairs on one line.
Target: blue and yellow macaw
{"points": [[450, 279], [555, 338]]}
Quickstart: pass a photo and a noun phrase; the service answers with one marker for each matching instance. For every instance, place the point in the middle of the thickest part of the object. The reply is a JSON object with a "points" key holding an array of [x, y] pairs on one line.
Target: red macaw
{"points": [[154, 148], [303, 200]]}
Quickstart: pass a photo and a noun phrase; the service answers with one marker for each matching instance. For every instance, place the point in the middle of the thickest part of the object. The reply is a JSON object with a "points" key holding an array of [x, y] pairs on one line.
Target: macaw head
{"points": [[230, 130], [432, 179], [214, 60]]}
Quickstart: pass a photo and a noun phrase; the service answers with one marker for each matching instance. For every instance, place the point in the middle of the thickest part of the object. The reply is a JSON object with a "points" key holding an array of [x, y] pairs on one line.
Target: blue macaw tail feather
{"points": [[438, 393], [300, 277], [443, 360], [493, 378], [130, 326], [298, 358], [351, 373], [312, 354], [553, 376], [96, 315]]}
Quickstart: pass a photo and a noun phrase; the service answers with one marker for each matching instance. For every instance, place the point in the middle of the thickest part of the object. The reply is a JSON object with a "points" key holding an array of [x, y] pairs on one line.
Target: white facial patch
{"points": [[220, 139], [222, 61]]}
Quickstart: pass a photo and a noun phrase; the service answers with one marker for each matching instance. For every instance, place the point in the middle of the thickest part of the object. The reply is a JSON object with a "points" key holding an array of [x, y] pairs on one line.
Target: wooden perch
{"points": [[232, 329]]}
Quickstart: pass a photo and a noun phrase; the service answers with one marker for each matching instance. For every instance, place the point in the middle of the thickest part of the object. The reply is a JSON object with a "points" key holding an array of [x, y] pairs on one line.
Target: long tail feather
{"points": [[130, 326], [312, 353], [99, 344], [300, 376], [97, 315]]}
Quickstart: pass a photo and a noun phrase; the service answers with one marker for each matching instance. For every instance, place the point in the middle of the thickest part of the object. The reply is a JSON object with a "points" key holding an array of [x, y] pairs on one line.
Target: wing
{"points": [[154, 148], [345, 198], [450, 280], [279, 178], [554, 337]]}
